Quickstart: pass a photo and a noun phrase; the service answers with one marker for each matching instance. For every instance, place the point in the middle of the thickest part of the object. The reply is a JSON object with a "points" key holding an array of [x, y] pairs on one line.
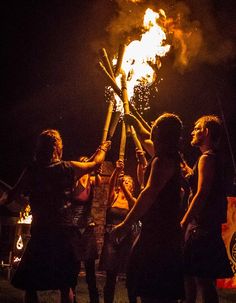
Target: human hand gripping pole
{"points": [[100, 154]]}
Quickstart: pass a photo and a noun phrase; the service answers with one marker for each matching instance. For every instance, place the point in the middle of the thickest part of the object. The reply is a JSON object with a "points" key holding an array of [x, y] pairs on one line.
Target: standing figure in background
{"points": [[85, 242], [49, 261], [155, 271], [205, 254], [114, 256]]}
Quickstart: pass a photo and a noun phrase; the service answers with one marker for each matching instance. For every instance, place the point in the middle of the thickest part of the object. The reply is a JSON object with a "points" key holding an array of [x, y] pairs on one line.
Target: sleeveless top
{"points": [[214, 210], [49, 192]]}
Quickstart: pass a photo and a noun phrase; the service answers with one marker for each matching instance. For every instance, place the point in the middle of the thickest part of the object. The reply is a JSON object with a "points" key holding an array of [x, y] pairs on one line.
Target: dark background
{"points": [[50, 77]]}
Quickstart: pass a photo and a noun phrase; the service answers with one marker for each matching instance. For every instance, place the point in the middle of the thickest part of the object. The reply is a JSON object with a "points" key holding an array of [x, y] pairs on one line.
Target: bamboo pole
{"points": [[122, 142], [137, 143], [140, 118], [121, 52], [106, 62], [113, 125], [111, 81], [107, 120], [124, 93], [125, 99]]}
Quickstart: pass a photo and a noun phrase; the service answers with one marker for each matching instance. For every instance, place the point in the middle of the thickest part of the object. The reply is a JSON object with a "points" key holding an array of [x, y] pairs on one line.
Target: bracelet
{"points": [[103, 149]]}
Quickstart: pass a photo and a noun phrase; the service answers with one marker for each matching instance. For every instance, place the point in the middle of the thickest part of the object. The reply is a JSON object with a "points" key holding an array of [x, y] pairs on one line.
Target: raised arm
{"points": [[142, 133], [82, 168], [161, 172], [128, 195], [141, 167], [113, 180]]}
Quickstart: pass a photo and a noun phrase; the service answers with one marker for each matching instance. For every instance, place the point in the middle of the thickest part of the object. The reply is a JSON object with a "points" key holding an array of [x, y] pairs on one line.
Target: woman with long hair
{"points": [[49, 259], [155, 271]]}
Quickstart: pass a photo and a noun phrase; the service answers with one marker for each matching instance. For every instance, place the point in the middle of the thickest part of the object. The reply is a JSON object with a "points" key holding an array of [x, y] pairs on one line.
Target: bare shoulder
{"points": [[206, 160]]}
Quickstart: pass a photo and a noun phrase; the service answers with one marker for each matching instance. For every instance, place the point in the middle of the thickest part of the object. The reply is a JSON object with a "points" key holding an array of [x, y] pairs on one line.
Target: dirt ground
{"points": [[9, 294]]}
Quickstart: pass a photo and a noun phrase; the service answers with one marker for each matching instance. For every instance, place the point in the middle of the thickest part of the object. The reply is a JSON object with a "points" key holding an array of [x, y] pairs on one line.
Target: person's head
{"points": [[207, 130], [49, 146], [166, 133], [129, 183]]}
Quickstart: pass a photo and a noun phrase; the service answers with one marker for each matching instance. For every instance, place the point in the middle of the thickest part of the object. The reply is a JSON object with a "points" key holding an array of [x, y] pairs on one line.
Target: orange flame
{"points": [[142, 57], [25, 217]]}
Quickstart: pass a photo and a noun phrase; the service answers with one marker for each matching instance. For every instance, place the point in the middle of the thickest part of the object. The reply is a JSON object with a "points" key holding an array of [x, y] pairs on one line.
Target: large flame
{"points": [[141, 59]]}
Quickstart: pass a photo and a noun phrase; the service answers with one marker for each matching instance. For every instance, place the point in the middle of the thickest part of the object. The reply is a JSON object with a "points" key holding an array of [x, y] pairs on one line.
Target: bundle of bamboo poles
{"points": [[111, 74]]}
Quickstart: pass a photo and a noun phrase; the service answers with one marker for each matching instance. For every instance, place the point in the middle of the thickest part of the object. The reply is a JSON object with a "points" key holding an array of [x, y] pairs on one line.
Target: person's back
{"points": [[49, 261], [165, 212], [50, 190]]}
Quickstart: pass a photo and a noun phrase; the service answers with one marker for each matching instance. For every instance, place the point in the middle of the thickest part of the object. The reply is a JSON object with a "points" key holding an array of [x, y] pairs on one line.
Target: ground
{"points": [[9, 294]]}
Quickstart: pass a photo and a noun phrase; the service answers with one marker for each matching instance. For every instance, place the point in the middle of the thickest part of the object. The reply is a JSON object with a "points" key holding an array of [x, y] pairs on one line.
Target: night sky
{"points": [[50, 77]]}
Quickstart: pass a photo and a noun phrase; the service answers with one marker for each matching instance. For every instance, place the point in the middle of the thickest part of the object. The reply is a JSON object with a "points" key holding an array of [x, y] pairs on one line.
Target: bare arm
{"points": [[141, 167], [206, 171], [129, 197], [142, 133], [161, 172], [82, 168], [113, 180]]}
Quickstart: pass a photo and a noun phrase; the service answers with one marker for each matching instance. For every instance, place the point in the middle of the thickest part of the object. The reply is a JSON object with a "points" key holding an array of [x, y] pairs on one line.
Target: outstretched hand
{"points": [[120, 165], [105, 146]]}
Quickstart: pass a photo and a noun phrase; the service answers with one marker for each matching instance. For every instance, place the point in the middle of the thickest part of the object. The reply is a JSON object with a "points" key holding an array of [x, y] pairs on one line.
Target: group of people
{"points": [[169, 254]]}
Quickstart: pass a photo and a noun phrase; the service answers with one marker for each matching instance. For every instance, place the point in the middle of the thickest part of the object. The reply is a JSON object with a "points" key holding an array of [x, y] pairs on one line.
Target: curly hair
{"points": [[49, 146]]}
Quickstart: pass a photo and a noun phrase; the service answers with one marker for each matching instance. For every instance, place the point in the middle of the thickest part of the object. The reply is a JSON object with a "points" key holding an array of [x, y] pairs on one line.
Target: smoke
{"points": [[127, 23], [199, 31]]}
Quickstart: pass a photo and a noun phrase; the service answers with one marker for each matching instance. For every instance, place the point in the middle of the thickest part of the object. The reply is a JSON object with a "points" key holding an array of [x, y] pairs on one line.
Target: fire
{"points": [[141, 58], [25, 216]]}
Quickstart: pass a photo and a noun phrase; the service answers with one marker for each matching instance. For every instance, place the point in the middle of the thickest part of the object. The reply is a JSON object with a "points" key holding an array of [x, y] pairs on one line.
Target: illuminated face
{"points": [[129, 183], [198, 134]]}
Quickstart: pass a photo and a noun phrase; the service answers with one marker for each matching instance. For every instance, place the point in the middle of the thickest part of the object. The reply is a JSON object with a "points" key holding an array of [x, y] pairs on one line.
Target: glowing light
{"points": [[25, 217], [19, 243], [16, 259]]}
